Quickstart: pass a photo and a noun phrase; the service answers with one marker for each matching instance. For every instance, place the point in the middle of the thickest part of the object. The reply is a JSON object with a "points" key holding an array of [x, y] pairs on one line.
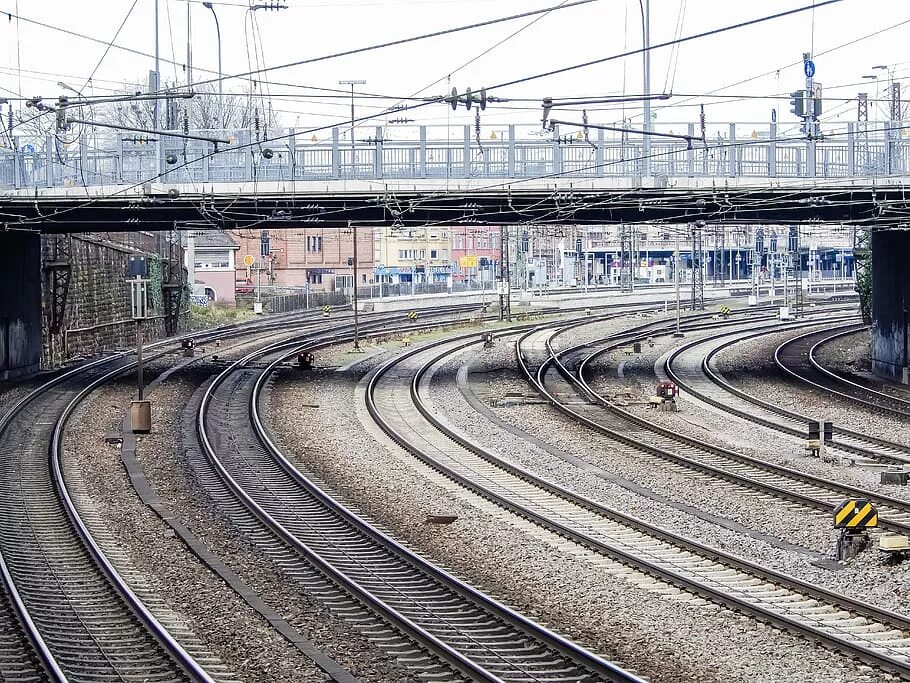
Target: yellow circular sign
{"points": [[247, 260]]}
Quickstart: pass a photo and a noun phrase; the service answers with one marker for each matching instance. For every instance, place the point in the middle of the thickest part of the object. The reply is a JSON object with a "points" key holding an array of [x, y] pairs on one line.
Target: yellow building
{"points": [[413, 256]]}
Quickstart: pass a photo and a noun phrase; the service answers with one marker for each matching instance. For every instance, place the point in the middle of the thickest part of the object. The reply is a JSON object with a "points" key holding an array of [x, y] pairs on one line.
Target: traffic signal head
{"points": [[798, 103]]}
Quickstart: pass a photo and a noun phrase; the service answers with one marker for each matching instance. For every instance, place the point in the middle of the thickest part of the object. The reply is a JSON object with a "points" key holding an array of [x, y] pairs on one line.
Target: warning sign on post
{"points": [[855, 514]]}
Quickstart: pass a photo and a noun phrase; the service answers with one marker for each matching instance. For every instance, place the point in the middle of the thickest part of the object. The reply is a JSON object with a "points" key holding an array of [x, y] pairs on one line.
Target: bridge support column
{"points": [[20, 306], [890, 303]]}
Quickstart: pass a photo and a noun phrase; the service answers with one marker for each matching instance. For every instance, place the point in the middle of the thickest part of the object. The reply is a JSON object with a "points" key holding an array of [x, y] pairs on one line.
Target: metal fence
{"points": [[731, 150]]}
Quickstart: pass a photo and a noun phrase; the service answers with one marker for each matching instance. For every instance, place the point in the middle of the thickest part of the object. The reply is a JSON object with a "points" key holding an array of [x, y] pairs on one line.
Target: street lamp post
{"points": [[354, 295], [220, 80], [645, 6], [352, 83]]}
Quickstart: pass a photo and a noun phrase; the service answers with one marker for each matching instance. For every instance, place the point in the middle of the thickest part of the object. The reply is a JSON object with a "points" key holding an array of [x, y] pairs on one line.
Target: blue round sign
{"points": [[809, 68]]}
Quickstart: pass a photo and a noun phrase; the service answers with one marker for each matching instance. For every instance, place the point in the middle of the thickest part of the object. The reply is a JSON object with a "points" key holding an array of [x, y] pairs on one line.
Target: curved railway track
{"points": [[471, 634], [646, 439], [65, 612], [691, 367], [76, 614], [866, 632], [798, 358]]}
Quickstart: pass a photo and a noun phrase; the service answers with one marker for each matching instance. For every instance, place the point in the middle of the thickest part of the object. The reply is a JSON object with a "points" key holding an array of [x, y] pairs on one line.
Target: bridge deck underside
{"points": [[316, 205]]}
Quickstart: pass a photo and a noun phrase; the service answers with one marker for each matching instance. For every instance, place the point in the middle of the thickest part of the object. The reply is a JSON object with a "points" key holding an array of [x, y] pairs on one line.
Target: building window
{"points": [[214, 259], [314, 243]]}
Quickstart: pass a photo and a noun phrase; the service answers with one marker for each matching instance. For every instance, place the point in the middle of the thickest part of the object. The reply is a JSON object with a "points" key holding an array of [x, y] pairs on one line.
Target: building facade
{"points": [[292, 259], [214, 264], [413, 256], [475, 255]]}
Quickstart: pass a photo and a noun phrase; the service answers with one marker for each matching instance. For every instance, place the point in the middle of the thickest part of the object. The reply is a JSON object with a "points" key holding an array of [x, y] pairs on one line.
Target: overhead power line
{"points": [[404, 41], [669, 43]]}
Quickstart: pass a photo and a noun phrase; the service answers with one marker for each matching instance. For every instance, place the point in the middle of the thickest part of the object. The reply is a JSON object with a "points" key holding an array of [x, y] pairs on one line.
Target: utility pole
{"points": [[698, 282], [646, 61], [189, 44], [676, 279], [352, 83], [354, 298], [157, 81]]}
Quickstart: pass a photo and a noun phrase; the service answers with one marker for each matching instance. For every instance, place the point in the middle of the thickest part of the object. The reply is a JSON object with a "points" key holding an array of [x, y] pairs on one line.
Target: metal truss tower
{"points": [[627, 258], [698, 280], [795, 262], [719, 274], [58, 268]]}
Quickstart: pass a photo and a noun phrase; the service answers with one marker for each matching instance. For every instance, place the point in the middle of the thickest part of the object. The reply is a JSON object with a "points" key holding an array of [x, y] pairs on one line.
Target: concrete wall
{"points": [[97, 314], [890, 301], [20, 304]]}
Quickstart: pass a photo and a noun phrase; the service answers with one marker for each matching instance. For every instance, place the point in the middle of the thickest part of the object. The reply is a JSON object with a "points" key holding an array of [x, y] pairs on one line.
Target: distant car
{"points": [[241, 287]]}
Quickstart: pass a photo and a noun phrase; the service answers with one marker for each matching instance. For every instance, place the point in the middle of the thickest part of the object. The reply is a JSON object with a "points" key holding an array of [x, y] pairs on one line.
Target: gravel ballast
{"points": [[555, 582]]}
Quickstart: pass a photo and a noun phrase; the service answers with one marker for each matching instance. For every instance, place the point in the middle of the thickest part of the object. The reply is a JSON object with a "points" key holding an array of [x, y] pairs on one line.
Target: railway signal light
{"points": [[798, 103]]}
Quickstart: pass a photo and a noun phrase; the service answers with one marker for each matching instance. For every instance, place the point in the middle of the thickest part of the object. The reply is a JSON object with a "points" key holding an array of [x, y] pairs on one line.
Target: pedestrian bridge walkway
{"points": [[418, 157]]}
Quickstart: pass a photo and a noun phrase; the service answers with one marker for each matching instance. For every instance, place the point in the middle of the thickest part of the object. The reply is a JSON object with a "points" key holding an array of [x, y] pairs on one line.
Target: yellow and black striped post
{"points": [[725, 311], [412, 315], [855, 514], [326, 310]]}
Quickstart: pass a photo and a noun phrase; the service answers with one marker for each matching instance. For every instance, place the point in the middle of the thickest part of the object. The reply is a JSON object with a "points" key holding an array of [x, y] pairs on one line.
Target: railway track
{"points": [[868, 633], [798, 358], [65, 612], [79, 618], [450, 622], [552, 377], [691, 367]]}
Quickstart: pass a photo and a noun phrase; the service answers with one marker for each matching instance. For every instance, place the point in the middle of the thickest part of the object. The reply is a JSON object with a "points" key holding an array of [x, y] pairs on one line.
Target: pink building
{"points": [[214, 256], [475, 254]]}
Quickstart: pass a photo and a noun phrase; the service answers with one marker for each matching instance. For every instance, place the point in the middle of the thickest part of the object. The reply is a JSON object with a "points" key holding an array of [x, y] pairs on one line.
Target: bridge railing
{"points": [[106, 158]]}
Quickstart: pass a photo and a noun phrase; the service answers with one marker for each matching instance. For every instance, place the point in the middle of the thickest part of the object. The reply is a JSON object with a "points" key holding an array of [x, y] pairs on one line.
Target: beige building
{"points": [[413, 255]]}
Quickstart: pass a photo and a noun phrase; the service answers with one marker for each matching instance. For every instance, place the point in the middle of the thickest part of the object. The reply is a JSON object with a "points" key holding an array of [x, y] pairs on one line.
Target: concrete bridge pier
{"points": [[890, 303], [20, 304]]}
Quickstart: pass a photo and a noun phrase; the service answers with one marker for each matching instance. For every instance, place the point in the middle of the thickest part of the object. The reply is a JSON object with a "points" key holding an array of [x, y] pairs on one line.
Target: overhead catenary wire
{"points": [[326, 127], [110, 43]]}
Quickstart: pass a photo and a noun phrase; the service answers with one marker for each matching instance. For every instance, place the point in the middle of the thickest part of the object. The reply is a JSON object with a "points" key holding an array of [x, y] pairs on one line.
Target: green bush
{"points": [[205, 317]]}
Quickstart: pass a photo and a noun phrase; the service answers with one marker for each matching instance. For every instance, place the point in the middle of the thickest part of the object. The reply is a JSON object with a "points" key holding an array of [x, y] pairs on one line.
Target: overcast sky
{"points": [[750, 64]]}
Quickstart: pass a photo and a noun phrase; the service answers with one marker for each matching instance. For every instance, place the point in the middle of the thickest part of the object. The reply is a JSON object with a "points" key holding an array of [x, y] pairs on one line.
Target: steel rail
{"points": [[402, 622], [31, 630], [840, 601], [879, 398], [715, 378], [426, 639], [577, 379], [501, 611]]}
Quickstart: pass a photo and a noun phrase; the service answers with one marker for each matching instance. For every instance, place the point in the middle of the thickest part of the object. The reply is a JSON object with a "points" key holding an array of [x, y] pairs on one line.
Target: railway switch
{"points": [[898, 477]]}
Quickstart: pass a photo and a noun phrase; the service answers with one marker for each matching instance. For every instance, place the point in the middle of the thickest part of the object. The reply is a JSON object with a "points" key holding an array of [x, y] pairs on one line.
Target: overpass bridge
{"points": [[739, 173], [388, 154]]}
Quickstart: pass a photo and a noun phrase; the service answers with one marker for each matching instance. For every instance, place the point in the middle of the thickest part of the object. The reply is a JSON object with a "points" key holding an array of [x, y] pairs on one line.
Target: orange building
{"points": [[322, 258]]}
